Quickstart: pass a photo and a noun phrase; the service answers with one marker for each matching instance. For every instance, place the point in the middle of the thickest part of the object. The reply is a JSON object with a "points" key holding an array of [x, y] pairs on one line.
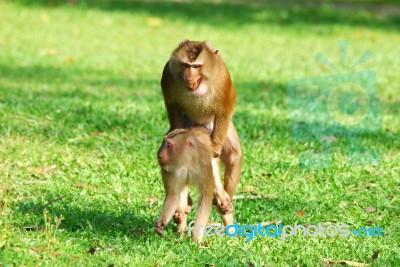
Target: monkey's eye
{"points": [[196, 66], [169, 145], [186, 65]]}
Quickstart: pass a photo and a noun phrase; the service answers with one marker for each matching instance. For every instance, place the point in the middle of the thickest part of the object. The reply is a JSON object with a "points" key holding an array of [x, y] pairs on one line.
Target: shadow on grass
{"points": [[74, 77], [88, 219], [239, 13], [83, 218]]}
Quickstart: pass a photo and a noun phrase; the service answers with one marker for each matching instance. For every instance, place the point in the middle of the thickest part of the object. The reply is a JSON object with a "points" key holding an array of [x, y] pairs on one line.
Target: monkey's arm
{"points": [[170, 203], [223, 116], [221, 123], [175, 116]]}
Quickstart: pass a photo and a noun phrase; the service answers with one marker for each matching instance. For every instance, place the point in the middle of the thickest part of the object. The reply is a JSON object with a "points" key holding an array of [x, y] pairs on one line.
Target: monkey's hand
{"points": [[216, 149], [158, 227]]}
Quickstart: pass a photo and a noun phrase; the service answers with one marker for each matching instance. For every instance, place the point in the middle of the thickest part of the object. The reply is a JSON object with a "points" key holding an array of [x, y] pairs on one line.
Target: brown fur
{"points": [[185, 159], [198, 90]]}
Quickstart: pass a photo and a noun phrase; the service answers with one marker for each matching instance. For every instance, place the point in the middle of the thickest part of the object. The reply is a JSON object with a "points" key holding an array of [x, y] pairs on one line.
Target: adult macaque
{"points": [[198, 90], [185, 159]]}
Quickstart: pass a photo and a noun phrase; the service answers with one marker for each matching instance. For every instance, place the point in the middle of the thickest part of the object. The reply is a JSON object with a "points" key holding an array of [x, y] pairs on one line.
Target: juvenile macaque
{"points": [[198, 90], [185, 159]]}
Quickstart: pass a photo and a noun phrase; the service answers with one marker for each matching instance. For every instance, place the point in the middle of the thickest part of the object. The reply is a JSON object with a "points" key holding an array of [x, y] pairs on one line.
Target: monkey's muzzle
{"points": [[162, 161], [193, 85]]}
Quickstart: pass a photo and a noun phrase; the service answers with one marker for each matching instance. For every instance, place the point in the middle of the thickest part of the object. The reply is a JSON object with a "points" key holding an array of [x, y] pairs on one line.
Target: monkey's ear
{"points": [[212, 49], [189, 144], [183, 42]]}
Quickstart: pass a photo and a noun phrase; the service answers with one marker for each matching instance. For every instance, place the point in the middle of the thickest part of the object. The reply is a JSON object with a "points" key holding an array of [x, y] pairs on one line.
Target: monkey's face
{"points": [[192, 63], [192, 74], [166, 152], [174, 153]]}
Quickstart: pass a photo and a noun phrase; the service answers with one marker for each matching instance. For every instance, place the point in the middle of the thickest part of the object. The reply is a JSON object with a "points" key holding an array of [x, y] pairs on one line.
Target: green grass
{"points": [[82, 115]]}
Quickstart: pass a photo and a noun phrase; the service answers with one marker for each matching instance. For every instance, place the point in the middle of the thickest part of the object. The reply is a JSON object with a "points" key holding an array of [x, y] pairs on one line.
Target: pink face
{"points": [[170, 153], [165, 152]]}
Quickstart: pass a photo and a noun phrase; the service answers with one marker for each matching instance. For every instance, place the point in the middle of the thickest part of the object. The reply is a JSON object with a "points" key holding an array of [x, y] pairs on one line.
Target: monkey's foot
{"points": [[225, 206], [158, 227], [179, 217]]}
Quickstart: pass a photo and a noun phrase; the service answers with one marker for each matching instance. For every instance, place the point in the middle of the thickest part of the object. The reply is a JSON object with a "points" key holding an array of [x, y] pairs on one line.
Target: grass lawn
{"points": [[82, 116]]}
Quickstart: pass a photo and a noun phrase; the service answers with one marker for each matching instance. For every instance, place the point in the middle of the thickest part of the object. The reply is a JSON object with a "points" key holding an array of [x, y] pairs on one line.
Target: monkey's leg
{"points": [[180, 217], [203, 213], [231, 156], [222, 199]]}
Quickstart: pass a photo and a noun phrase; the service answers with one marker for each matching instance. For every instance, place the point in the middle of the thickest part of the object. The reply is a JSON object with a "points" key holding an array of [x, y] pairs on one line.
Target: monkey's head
{"points": [[185, 148], [192, 62]]}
